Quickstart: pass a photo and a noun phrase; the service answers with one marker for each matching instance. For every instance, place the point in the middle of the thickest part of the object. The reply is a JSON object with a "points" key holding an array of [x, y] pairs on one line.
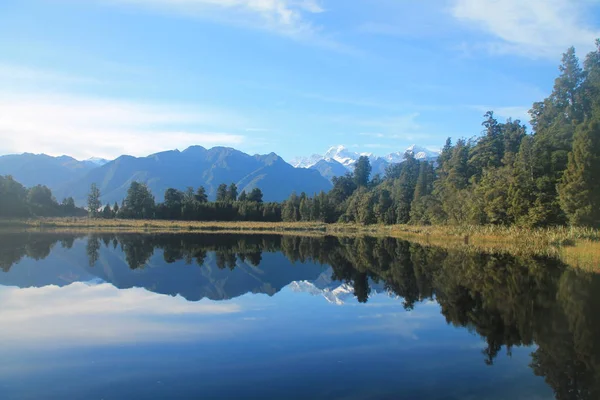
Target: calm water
{"points": [[225, 316]]}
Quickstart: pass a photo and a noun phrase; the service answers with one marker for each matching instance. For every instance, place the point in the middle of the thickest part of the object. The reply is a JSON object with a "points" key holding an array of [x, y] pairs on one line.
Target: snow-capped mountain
{"points": [[419, 152], [97, 161], [344, 156], [306, 162], [330, 164], [334, 292]]}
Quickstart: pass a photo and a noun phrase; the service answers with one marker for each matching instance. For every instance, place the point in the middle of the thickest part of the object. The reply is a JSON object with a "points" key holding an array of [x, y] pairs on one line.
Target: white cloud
{"points": [[84, 126], [533, 28], [284, 17], [102, 314]]}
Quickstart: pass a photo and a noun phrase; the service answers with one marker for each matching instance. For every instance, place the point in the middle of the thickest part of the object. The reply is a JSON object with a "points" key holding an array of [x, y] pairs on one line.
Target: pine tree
{"points": [[305, 208], [579, 188], [232, 192], [424, 185], [200, 195], [107, 212], [362, 171], [255, 195], [222, 193], [94, 201]]}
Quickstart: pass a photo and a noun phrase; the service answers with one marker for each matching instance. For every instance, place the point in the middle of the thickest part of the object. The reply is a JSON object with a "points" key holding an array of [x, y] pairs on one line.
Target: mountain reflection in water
{"points": [[534, 303]]}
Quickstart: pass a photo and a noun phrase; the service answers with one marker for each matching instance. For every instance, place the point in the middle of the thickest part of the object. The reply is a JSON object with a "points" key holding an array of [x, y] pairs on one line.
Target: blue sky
{"points": [[110, 77]]}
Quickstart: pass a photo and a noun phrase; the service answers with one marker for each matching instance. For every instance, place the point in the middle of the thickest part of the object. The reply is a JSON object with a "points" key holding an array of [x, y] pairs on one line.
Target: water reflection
{"points": [[508, 301]]}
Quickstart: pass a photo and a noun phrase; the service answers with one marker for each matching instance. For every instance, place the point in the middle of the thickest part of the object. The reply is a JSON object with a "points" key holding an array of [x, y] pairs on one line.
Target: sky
{"points": [[102, 78]]}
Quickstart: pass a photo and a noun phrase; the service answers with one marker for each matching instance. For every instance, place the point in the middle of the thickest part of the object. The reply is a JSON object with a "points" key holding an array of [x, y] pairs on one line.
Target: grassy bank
{"points": [[576, 246]]}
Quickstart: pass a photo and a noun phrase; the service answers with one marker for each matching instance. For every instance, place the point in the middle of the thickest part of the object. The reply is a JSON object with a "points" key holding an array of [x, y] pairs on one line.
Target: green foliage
{"points": [[222, 193], [579, 188], [17, 201], [139, 202], [93, 201], [232, 192], [255, 195], [362, 171]]}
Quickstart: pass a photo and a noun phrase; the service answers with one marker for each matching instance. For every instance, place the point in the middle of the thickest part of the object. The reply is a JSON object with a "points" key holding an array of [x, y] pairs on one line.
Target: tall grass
{"points": [[578, 247]]}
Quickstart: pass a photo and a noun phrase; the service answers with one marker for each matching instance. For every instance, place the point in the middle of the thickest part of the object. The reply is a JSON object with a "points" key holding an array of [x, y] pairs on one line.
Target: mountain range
{"points": [[339, 159], [195, 166]]}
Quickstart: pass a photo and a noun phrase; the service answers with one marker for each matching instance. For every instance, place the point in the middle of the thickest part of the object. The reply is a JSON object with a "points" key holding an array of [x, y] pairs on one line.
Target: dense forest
{"points": [[504, 176]]}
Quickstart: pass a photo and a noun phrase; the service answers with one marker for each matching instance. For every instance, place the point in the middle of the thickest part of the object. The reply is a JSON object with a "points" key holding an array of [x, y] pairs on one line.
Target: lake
{"points": [[215, 316]]}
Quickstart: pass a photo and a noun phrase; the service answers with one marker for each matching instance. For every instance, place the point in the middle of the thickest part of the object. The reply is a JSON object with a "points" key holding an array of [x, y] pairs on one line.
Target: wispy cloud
{"points": [[289, 18], [87, 126], [533, 28]]}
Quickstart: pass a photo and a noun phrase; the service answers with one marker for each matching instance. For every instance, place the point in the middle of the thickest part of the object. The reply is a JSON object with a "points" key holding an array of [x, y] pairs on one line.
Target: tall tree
{"points": [[222, 192], [579, 188], [139, 202], [255, 195], [232, 192], [362, 171], [424, 184], [201, 196], [94, 201]]}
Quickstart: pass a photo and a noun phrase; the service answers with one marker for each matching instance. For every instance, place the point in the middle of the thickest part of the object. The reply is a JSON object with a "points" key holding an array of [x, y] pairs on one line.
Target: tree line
{"points": [[19, 201], [191, 204]]}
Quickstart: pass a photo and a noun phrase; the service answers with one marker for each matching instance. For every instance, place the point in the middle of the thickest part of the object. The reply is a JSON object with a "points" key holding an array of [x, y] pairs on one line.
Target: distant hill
{"points": [[197, 166], [35, 169]]}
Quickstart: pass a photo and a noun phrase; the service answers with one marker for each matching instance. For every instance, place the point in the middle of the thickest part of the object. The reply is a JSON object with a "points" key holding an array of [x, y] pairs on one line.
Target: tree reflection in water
{"points": [[508, 300]]}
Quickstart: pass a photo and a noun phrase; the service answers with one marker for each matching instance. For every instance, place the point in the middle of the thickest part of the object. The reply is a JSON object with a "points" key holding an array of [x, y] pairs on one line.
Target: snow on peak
{"points": [[419, 152], [306, 162], [97, 160], [342, 155], [348, 158]]}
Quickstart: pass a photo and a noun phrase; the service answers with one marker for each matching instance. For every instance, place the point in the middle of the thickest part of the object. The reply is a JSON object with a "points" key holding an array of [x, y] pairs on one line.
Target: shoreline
{"points": [[578, 247]]}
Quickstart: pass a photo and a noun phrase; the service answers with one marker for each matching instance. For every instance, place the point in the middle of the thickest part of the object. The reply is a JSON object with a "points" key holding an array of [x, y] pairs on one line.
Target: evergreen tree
{"points": [[362, 171], [305, 209], [13, 198], [522, 191], [94, 201], [579, 188], [222, 193], [289, 212], [424, 184], [232, 192], [139, 202], [243, 196], [255, 195], [201, 196], [107, 212]]}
